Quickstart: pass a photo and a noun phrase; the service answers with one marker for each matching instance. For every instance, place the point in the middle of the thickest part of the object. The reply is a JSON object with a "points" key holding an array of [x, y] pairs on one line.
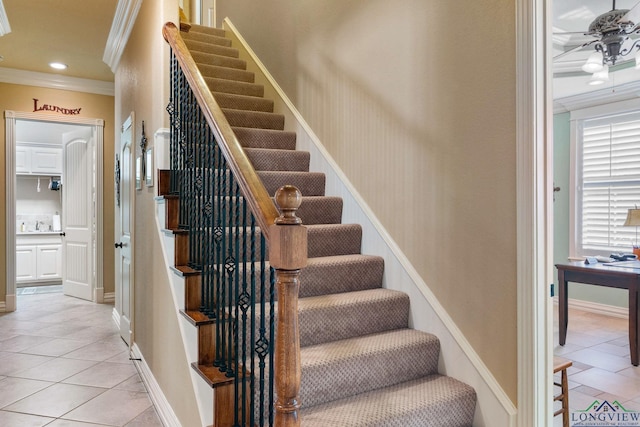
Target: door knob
{"points": [[119, 245], [63, 234]]}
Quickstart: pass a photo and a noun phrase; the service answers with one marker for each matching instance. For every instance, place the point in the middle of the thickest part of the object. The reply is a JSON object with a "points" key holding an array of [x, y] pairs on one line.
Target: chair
{"points": [[561, 365]]}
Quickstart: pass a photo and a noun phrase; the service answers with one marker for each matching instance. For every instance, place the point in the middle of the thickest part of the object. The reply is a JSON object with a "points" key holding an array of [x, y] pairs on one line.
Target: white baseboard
{"points": [[10, 303], [165, 412], [597, 308], [108, 298]]}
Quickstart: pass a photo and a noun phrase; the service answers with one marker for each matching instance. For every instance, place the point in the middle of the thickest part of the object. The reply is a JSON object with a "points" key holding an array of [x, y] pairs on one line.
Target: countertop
{"points": [[38, 233]]}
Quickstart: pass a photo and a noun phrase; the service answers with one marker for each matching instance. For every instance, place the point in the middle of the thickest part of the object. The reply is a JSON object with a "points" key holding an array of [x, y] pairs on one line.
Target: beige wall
{"points": [[422, 120], [20, 98], [141, 85]]}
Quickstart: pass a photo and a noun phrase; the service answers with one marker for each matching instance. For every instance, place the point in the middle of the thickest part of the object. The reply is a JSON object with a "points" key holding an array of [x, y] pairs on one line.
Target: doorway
{"points": [[91, 285]]}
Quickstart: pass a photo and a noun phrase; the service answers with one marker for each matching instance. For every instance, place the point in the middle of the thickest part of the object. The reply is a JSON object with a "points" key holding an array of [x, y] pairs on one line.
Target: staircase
{"points": [[361, 363]]}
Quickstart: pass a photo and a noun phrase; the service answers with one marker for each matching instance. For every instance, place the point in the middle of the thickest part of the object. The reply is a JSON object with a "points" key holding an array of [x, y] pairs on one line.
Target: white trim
{"points": [[108, 297], [164, 409], [121, 27], [55, 81], [115, 316], [494, 406], [596, 308], [606, 109], [622, 92], [5, 28], [535, 402], [98, 296], [10, 208]]}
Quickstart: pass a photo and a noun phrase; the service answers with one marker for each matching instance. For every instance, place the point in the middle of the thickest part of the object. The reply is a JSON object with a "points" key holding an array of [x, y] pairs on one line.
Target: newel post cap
{"points": [[287, 236]]}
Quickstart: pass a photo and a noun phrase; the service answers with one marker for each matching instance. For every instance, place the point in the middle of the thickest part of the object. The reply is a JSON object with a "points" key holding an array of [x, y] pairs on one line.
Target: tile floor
{"points": [[63, 364], [598, 346]]}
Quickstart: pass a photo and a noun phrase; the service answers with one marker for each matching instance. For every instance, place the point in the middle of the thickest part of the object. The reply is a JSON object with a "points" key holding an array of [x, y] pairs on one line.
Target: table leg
{"points": [[633, 322], [563, 306]]}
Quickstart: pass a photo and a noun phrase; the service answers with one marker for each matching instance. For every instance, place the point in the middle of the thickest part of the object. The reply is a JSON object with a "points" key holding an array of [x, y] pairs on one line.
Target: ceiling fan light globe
{"points": [[600, 77], [594, 63]]}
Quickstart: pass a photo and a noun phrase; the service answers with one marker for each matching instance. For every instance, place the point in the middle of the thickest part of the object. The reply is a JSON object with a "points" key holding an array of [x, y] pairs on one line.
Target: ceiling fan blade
{"points": [[575, 49], [581, 33], [633, 16]]}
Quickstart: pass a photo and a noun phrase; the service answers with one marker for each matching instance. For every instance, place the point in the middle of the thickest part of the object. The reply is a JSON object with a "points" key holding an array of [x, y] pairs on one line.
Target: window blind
{"points": [[610, 181]]}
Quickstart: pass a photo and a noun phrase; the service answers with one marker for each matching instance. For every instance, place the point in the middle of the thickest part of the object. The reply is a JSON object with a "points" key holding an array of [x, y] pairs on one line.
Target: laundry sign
{"points": [[55, 108]]}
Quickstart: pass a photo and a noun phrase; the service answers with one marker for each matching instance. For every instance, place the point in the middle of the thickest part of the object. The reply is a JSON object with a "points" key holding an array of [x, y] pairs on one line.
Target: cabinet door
{"points": [[26, 264], [23, 159], [49, 262], [46, 161]]}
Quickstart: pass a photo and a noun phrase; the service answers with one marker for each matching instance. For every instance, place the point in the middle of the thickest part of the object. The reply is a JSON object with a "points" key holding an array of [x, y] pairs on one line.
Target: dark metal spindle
{"points": [[224, 243]]}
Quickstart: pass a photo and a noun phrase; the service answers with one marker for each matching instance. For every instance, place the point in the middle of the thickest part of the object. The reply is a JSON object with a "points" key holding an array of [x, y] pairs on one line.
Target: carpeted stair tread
{"points": [[218, 60], [430, 401], [309, 183], [333, 239], [320, 210], [206, 38], [226, 73], [332, 317], [254, 119], [198, 46], [234, 87], [330, 275], [341, 273], [197, 28], [266, 138], [313, 210], [264, 159], [243, 102], [339, 369]]}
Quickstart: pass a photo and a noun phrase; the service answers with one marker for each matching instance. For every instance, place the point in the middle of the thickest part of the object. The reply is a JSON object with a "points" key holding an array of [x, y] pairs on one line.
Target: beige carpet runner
{"points": [[361, 363]]}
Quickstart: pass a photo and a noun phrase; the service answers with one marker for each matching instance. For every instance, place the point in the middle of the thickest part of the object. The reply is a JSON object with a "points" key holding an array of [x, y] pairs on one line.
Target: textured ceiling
{"points": [[73, 32]]}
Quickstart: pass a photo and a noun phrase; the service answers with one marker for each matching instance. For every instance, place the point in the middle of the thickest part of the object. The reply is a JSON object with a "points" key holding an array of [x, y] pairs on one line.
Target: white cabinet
{"points": [[26, 264], [47, 161], [36, 160], [49, 262], [23, 160], [38, 258]]}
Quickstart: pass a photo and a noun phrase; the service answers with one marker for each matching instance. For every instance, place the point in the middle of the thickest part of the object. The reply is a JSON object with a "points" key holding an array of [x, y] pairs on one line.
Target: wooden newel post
{"points": [[287, 254]]}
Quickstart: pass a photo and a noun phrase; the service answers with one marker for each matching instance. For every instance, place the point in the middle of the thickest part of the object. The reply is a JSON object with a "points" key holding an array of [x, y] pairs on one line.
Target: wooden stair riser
{"points": [[206, 344], [223, 403], [172, 206], [181, 253], [193, 292]]}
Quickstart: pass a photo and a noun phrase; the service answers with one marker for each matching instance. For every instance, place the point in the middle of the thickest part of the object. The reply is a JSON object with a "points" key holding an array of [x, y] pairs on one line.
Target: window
{"points": [[608, 182]]}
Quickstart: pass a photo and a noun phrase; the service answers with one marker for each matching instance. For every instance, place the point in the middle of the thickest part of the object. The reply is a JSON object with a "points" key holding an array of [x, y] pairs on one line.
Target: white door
{"points": [[124, 226], [77, 214]]}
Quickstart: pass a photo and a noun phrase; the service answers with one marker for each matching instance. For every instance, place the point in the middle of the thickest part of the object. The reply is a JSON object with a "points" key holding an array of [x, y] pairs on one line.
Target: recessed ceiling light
{"points": [[58, 65]]}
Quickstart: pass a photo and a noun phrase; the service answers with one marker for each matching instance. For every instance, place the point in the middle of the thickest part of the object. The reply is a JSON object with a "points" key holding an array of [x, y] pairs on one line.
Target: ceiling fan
{"points": [[612, 33]]}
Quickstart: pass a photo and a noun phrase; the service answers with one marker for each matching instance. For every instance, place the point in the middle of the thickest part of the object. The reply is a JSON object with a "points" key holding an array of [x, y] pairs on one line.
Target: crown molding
{"points": [[5, 28], [622, 92], [55, 81], [123, 21]]}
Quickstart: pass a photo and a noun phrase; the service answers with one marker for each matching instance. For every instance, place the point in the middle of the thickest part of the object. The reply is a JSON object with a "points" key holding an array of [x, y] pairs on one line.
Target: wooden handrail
{"points": [[250, 184]]}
